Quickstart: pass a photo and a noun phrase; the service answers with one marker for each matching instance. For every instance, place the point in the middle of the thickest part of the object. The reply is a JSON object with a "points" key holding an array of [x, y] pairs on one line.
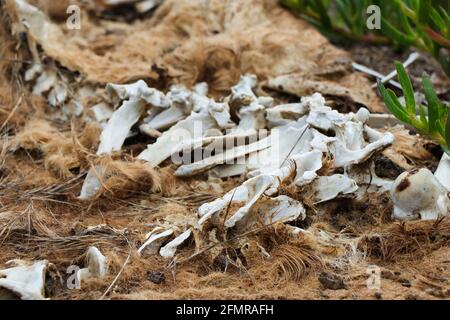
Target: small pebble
{"points": [[331, 281], [156, 277]]}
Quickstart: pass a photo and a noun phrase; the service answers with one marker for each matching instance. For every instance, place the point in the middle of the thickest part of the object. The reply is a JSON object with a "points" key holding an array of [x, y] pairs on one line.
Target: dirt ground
{"points": [[42, 218]]}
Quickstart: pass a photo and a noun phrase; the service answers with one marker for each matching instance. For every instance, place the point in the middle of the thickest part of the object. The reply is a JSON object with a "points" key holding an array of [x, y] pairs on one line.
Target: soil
{"points": [[41, 218]]}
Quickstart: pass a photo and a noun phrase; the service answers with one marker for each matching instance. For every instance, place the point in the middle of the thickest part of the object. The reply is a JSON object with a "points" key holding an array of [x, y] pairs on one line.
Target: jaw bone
{"points": [[27, 281]]}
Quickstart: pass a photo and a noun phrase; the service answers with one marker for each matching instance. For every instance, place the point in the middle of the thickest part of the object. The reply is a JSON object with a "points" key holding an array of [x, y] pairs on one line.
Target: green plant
{"points": [[424, 24], [435, 123]]}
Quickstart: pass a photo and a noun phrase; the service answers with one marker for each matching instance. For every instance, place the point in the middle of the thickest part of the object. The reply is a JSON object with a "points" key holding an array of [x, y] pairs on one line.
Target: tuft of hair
{"points": [[121, 178], [406, 240], [292, 262]]}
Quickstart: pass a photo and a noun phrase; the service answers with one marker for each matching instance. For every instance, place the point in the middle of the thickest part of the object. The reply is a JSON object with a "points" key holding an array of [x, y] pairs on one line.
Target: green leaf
{"points": [[437, 19], [433, 104], [424, 11], [390, 31], [341, 9], [392, 103], [407, 87], [447, 129], [423, 117], [321, 8]]}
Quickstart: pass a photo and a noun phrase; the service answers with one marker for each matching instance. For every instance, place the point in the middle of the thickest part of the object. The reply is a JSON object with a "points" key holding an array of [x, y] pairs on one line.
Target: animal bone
{"points": [[221, 158], [345, 157], [101, 113], [154, 239], [242, 93], [285, 113], [168, 251], [370, 178], [27, 281], [210, 115], [251, 117], [138, 91], [112, 139], [147, 5], [443, 171], [96, 266], [248, 193], [250, 108], [180, 107], [300, 152], [135, 97], [419, 194], [329, 187], [283, 209]]}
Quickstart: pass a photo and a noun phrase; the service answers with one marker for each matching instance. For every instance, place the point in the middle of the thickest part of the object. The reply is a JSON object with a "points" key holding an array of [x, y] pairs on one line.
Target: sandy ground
{"points": [[41, 217]]}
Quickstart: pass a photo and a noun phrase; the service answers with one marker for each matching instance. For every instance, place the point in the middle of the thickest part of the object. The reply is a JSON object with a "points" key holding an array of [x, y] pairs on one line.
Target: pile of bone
{"points": [[298, 138]]}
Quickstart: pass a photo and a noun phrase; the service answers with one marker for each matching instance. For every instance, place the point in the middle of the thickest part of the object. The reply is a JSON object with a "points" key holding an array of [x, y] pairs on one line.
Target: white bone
{"points": [[34, 71], [154, 240], [57, 95], [443, 171], [119, 125], [411, 59], [301, 148], [201, 89], [221, 158], [242, 93], [112, 138], [138, 91], [27, 281], [180, 108], [285, 113], [329, 187], [168, 251], [286, 142], [283, 209], [251, 117], [147, 5], [345, 157], [294, 231], [101, 112], [307, 164], [96, 266], [419, 194], [370, 178], [249, 192], [210, 115]]}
